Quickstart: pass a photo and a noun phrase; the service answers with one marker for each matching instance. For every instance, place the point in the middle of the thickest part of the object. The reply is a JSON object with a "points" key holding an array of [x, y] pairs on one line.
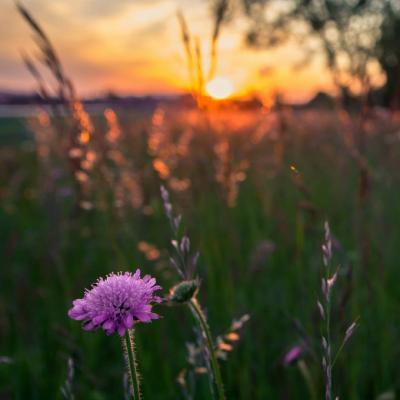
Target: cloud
{"points": [[106, 8]]}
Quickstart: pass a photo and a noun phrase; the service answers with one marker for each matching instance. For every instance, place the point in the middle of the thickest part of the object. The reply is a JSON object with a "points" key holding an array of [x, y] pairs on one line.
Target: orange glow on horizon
{"points": [[100, 56]]}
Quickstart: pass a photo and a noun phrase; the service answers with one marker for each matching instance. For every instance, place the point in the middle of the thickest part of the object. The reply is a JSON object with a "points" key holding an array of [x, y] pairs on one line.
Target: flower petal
{"points": [[129, 321], [121, 330]]}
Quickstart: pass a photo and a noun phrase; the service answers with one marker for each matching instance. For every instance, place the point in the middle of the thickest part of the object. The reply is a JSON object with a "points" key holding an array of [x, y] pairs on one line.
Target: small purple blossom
{"points": [[117, 302], [292, 355]]}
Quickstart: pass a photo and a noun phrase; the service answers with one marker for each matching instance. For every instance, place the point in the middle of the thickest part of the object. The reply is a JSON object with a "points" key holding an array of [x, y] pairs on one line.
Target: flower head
{"points": [[117, 302]]}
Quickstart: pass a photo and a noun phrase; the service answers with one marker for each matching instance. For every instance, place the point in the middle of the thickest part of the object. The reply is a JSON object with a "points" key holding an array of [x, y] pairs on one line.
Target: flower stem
{"points": [[199, 315], [128, 345]]}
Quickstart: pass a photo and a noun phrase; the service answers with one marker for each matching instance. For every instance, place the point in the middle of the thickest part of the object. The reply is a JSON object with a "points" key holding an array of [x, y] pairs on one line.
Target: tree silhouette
{"points": [[358, 38]]}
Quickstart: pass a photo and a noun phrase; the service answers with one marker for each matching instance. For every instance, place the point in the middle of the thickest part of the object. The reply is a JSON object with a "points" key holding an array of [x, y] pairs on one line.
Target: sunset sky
{"points": [[134, 46]]}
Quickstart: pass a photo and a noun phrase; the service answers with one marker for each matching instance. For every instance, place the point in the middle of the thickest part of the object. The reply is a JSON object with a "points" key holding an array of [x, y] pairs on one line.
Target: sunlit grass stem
{"points": [[201, 318]]}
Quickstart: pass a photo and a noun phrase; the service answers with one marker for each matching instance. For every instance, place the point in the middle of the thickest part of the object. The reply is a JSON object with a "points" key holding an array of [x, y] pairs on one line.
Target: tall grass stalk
{"points": [[67, 388], [198, 313], [72, 123], [325, 308], [193, 52], [186, 292], [327, 284]]}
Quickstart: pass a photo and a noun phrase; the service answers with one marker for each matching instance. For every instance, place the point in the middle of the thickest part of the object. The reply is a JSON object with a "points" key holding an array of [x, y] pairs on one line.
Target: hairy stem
{"points": [[201, 318], [128, 345]]}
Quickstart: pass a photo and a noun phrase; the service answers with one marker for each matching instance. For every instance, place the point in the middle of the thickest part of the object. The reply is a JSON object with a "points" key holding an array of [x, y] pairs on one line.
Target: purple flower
{"points": [[117, 302], [292, 355]]}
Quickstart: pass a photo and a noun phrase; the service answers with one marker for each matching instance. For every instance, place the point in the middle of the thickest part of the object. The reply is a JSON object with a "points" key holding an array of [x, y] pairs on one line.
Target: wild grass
{"points": [[254, 189], [49, 257]]}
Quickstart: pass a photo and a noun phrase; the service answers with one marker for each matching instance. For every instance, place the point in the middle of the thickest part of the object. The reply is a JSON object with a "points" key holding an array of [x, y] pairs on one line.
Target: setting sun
{"points": [[219, 88]]}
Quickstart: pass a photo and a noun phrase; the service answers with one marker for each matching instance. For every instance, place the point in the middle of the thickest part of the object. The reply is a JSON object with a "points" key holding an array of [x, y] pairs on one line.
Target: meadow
{"points": [[254, 189], [275, 226]]}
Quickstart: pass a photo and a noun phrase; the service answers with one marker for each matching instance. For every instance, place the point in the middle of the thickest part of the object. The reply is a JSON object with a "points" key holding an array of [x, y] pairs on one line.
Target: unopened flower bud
{"points": [[184, 291]]}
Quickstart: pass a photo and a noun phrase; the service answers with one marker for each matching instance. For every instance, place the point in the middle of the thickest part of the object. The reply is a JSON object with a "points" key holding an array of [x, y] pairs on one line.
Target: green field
{"points": [[260, 250]]}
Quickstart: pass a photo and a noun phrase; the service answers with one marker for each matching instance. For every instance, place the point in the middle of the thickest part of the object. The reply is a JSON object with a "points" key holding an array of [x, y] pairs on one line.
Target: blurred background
{"points": [[263, 119]]}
